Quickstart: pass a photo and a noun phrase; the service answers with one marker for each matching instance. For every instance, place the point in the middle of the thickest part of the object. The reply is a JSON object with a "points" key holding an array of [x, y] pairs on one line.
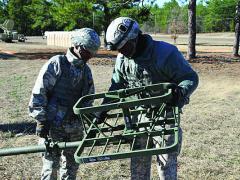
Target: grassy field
{"points": [[211, 140]]}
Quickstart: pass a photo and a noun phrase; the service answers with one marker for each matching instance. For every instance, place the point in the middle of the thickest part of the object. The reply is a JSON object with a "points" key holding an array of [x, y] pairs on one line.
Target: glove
{"points": [[42, 129], [100, 116], [177, 96]]}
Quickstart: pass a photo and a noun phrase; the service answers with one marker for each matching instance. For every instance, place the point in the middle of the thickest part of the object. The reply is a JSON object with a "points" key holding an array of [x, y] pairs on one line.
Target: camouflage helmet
{"points": [[120, 31], [86, 37]]}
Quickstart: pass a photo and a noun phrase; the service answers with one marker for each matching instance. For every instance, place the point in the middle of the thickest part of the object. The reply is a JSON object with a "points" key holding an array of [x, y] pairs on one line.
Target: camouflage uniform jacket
{"points": [[58, 86], [159, 62]]}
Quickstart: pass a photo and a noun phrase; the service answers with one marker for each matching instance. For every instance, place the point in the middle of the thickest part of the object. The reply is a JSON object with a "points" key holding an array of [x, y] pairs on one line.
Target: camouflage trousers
{"points": [[166, 163], [61, 162]]}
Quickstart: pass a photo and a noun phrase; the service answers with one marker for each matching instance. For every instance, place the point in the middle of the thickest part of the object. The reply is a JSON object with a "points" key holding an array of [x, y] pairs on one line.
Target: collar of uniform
{"points": [[75, 61], [70, 56], [146, 55]]}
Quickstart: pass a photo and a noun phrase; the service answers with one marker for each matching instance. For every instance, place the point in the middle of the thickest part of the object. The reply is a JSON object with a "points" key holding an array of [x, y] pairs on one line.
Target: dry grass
{"points": [[211, 123]]}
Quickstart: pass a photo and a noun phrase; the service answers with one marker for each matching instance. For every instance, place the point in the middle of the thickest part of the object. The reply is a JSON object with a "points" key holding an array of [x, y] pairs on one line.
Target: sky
{"points": [[161, 2]]}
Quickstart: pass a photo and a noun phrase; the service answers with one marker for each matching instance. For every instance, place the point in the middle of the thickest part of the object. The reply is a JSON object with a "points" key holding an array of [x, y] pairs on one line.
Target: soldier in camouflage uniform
{"points": [[60, 83], [143, 61]]}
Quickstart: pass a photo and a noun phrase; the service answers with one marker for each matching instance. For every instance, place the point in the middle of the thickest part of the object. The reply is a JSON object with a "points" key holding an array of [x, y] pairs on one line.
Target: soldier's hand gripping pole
{"points": [[51, 146]]}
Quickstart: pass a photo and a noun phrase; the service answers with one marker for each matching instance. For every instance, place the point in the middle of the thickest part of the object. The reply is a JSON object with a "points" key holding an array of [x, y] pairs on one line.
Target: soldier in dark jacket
{"points": [[143, 61]]}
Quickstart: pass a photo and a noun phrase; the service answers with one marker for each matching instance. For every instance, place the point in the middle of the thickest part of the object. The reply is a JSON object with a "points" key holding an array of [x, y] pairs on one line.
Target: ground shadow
{"points": [[207, 44], [101, 55], [212, 59], [21, 127], [45, 55], [207, 52], [37, 55], [48, 55], [220, 45], [6, 56]]}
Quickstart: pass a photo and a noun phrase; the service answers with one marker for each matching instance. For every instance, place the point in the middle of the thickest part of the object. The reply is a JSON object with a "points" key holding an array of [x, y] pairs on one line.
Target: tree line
{"points": [[32, 17]]}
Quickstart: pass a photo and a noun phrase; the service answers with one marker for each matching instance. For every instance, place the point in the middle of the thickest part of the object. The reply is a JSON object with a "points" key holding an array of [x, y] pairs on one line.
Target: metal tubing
{"points": [[36, 148]]}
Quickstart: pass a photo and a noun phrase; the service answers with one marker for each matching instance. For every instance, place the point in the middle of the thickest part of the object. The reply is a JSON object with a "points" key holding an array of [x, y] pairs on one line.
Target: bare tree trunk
{"points": [[237, 30], [191, 29], [106, 21], [236, 41]]}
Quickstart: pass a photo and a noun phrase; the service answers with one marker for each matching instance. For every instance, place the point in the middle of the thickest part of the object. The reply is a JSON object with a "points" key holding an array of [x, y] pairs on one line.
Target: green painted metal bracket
{"points": [[133, 114]]}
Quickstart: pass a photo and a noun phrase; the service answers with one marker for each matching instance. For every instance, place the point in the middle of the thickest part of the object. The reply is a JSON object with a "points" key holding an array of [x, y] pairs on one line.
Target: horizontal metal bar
{"points": [[106, 107], [129, 154], [126, 138], [36, 148], [126, 104], [135, 125]]}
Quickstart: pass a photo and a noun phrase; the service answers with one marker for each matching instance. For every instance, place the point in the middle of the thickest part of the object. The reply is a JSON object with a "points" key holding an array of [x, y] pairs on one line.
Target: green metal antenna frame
{"points": [[115, 138]]}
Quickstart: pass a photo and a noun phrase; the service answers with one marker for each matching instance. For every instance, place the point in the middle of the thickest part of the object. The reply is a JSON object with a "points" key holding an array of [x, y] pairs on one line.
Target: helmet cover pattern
{"points": [[86, 37]]}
